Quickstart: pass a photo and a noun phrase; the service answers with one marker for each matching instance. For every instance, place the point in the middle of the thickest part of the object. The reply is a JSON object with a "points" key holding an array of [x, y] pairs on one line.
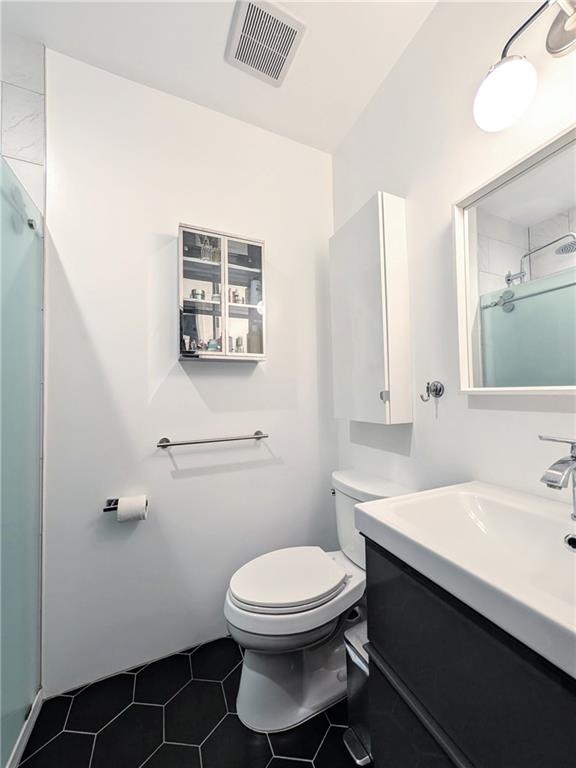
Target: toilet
{"points": [[288, 609]]}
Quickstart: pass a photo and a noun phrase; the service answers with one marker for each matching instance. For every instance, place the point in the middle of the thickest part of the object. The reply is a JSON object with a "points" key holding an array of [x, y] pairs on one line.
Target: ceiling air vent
{"points": [[263, 40]]}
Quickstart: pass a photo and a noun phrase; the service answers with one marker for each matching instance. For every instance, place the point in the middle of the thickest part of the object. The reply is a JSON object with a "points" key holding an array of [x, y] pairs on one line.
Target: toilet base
{"points": [[280, 691]]}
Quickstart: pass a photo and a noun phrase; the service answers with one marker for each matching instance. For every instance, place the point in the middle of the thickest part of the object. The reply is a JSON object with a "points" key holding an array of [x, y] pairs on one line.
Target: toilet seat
{"points": [[287, 581], [305, 618]]}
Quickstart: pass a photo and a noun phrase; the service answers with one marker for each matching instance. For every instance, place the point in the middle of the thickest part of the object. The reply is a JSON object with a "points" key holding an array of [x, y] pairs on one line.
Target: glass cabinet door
{"points": [[201, 328], [245, 298]]}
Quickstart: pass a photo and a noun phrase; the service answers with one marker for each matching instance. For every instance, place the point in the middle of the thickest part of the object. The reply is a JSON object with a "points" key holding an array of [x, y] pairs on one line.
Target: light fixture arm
{"points": [[529, 21]]}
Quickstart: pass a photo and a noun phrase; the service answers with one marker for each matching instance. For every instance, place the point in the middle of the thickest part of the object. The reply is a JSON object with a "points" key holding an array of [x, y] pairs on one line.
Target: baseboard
{"points": [[20, 745]]}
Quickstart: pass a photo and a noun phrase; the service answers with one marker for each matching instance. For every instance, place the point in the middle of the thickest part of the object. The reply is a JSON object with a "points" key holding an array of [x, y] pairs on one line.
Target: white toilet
{"points": [[289, 609]]}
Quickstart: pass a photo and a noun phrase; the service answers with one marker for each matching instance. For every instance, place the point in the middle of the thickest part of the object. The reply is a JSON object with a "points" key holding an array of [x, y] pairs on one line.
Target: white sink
{"points": [[500, 551]]}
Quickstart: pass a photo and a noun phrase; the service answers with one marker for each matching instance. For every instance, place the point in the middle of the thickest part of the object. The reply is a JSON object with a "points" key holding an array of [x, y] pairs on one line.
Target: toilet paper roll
{"points": [[132, 508]]}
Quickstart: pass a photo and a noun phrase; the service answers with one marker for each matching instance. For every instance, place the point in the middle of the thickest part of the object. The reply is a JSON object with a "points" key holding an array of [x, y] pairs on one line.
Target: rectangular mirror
{"points": [[516, 268]]}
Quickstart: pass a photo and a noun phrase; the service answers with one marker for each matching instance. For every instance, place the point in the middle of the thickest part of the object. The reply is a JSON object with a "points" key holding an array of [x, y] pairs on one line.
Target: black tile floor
{"points": [[178, 712]]}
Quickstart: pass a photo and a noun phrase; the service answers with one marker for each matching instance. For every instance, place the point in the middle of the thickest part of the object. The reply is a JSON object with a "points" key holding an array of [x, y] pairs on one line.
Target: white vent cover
{"points": [[263, 40]]}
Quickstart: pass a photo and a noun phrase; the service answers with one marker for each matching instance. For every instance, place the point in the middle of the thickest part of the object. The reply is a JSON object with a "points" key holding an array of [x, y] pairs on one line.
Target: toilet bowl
{"points": [[288, 609]]}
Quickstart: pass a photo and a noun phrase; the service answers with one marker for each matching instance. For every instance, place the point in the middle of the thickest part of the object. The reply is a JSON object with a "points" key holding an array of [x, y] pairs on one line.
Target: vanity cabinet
{"points": [[370, 308], [482, 697], [221, 296]]}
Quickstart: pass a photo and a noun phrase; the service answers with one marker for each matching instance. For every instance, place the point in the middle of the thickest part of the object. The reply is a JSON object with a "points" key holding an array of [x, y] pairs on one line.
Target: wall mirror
{"points": [[515, 242]]}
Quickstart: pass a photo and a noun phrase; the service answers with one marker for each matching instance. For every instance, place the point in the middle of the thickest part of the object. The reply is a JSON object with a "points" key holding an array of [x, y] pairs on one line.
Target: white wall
{"points": [[126, 164], [417, 139]]}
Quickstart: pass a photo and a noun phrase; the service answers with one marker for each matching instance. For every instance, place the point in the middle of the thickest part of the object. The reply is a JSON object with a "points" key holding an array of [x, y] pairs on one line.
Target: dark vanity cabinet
{"points": [[449, 688]]}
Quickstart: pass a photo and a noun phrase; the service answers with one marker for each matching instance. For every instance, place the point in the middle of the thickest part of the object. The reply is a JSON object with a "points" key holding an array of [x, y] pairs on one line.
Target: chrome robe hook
{"points": [[433, 389]]}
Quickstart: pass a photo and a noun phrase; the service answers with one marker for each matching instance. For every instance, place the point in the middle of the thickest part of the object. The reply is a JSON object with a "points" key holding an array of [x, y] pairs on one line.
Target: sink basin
{"points": [[499, 551]]}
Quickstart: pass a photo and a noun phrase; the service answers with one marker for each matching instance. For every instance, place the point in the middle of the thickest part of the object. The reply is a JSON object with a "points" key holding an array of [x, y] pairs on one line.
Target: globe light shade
{"points": [[505, 93]]}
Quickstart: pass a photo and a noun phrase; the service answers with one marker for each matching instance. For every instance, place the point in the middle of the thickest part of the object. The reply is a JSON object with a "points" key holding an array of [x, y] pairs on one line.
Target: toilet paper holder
{"points": [[128, 508]]}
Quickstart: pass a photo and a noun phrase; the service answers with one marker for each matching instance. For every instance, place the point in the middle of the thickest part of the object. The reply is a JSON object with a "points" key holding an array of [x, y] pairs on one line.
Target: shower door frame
{"points": [[39, 225], [466, 278]]}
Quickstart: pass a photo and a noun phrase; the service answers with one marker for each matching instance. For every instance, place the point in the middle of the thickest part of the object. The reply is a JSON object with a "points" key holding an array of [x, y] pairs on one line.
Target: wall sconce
{"points": [[510, 84]]}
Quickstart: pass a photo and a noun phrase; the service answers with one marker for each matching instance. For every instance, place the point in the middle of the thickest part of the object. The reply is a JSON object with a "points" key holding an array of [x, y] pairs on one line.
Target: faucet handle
{"points": [[571, 441]]}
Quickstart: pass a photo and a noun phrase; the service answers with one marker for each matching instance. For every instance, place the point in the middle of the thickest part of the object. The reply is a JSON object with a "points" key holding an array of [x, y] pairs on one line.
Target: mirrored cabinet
{"points": [[221, 296]]}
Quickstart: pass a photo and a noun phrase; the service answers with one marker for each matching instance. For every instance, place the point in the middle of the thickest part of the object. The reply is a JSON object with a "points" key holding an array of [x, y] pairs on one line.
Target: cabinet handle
{"points": [[385, 395]]}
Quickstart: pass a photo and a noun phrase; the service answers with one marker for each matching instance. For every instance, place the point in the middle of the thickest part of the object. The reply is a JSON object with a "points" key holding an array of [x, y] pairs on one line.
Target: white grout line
{"points": [[42, 747], [176, 694], [74, 730], [146, 704], [322, 742], [213, 729], [67, 714], [225, 699], [114, 718], [151, 756], [233, 670], [270, 744], [92, 753], [181, 744]]}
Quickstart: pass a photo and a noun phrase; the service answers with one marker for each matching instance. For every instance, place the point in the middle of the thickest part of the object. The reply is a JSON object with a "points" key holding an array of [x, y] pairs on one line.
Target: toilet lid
{"points": [[293, 579]]}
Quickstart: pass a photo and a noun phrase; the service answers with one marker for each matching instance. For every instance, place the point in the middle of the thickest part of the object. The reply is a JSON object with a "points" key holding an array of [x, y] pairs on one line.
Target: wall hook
{"points": [[433, 389]]}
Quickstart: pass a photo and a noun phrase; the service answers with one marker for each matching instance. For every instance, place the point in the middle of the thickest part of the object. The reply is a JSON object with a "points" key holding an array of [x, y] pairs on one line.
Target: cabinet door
{"points": [[399, 740], [370, 315], [201, 326], [245, 299]]}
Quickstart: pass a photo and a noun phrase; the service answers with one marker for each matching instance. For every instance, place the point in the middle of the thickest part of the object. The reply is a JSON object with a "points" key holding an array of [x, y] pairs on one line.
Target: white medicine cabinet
{"points": [[221, 296], [370, 307]]}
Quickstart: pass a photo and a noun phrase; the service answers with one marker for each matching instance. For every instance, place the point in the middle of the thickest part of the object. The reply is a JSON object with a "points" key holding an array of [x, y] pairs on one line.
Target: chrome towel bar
{"points": [[165, 442]]}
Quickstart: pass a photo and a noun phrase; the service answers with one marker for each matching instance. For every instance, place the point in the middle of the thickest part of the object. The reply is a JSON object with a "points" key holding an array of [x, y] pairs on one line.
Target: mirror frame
{"points": [[464, 276]]}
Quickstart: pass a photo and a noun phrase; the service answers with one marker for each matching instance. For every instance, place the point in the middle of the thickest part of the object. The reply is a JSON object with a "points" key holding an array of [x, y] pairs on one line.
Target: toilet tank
{"points": [[350, 488]]}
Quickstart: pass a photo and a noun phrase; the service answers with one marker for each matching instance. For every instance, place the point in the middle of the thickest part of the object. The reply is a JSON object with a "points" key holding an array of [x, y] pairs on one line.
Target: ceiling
{"points": [[178, 47]]}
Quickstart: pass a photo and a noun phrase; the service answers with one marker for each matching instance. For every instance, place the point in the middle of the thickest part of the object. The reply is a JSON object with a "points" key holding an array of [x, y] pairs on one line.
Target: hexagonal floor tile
{"points": [[127, 741], [48, 724], [193, 713], [174, 756], [333, 752], [97, 704], [215, 660], [159, 681], [232, 745], [338, 713], [302, 741], [286, 762], [67, 750]]}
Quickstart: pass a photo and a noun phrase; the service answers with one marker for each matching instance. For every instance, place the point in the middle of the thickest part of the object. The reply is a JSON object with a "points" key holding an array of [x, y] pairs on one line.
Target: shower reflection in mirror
{"points": [[516, 251]]}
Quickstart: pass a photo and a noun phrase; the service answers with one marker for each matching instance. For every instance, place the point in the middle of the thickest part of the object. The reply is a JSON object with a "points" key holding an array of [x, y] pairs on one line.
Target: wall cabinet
{"points": [[370, 307], [476, 695], [221, 296]]}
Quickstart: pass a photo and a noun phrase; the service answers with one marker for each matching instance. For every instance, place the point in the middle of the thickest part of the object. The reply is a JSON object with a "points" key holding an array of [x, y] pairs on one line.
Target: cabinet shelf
{"points": [[211, 272], [202, 307]]}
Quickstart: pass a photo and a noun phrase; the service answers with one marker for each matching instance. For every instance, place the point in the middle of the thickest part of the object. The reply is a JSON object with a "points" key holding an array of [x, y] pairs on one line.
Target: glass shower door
{"points": [[529, 333], [21, 279]]}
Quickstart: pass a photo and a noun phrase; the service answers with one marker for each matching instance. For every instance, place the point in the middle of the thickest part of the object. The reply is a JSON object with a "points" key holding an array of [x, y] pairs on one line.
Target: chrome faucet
{"points": [[558, 474]]}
